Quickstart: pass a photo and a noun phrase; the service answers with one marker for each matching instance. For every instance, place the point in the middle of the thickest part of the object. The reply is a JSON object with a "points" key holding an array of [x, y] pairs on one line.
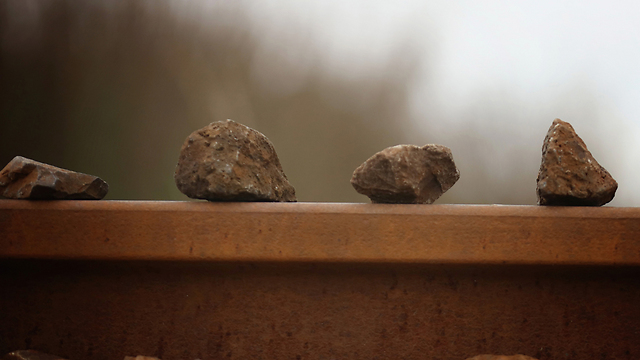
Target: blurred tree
{"points": [[113, 89]]}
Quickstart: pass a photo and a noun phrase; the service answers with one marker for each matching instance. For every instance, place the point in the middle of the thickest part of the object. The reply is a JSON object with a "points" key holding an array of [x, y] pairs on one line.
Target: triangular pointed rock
{"points": [[569, 175]]}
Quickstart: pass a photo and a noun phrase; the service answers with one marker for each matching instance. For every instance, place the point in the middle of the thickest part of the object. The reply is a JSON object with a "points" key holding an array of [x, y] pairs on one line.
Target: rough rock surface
{"points": [[501, 357], [24, 178], [30, 355], [569, 175], [406, 174], [227, 161], [140, 357]]}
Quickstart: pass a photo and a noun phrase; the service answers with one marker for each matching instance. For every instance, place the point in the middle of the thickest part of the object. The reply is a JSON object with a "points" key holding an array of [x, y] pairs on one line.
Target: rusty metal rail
{"points": [[319, 232], [195, 280]]}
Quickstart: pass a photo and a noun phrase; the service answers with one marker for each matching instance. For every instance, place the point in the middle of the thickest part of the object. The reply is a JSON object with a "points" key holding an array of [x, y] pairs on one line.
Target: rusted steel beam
{"points": [[319, 232], [310, 281], [105, 310]]}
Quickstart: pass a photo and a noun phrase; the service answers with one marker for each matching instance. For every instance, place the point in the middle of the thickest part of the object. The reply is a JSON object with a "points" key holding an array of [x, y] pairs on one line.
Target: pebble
{"points": [[569, 174], [406, 174], [228, 161], [30, 355], [501, 357], [24, 178]]}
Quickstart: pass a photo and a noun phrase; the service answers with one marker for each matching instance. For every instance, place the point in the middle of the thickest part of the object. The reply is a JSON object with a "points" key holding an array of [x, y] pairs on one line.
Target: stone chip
{"points": [[228, 161], [30, 355], [406, 174], [501, 357], [569, 174], [24, 178]]}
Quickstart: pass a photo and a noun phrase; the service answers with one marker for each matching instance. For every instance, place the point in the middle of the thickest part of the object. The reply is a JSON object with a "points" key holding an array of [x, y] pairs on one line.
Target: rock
{"points": [[569, 175], [24, 178], [406, 174], [140, 357], [30, 355], [227, 161], [501, 357]]}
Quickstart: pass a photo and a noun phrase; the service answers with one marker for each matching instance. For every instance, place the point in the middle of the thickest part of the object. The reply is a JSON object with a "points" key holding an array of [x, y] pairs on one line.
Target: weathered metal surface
{"points": [[107, 310], [196, 231], [104, 280]]}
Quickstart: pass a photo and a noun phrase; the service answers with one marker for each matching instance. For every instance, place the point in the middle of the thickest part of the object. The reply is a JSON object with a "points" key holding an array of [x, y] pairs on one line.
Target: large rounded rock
{"points": [[406, 174], [227, 161], [569, 175]]}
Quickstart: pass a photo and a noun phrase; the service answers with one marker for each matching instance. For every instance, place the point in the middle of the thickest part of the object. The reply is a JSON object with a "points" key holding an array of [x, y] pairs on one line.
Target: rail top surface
{"points": [[319, 232]]}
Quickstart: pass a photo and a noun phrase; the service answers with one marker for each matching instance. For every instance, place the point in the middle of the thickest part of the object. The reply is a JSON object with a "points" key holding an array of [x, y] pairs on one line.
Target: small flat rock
{"points": [[501, 357], [24, 178], [30, 355], [569, 175], [406, 174], [227, 161]]}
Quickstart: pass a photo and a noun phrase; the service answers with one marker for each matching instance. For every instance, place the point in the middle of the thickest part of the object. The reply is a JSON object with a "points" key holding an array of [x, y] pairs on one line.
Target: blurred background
{"points": [[113, 88]]}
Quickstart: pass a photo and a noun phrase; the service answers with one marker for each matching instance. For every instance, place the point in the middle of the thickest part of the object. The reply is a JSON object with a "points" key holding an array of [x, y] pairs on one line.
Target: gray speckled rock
{"points": [[569, 175], [406, 174], [24, 178], [227, 161]]}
